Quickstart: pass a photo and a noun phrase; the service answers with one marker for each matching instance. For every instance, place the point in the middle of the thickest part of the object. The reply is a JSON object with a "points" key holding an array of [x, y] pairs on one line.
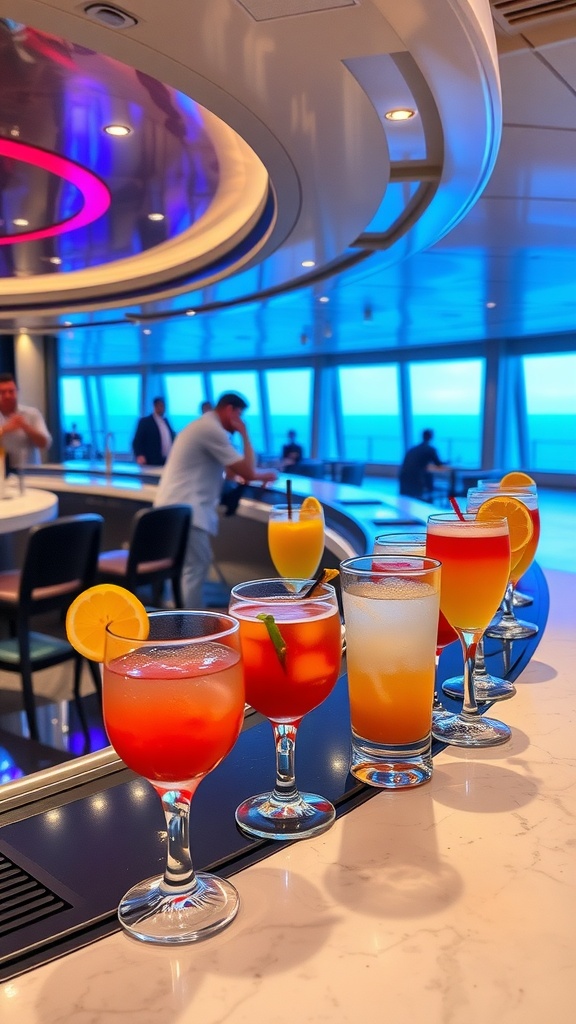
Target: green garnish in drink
{"points": [[275, 636]]}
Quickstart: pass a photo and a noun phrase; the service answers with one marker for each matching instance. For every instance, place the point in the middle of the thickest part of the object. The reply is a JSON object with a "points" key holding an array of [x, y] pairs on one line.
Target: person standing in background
{"points": [[419, 463], [193, 475], [154, 436], [23, 432]]}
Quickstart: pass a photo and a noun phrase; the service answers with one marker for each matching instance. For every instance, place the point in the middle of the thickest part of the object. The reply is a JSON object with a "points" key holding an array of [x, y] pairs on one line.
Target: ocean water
{"points": [[552, 439]]}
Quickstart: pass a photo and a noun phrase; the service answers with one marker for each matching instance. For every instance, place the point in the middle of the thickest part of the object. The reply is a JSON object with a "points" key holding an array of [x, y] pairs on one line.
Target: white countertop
{"points": [[20, 511], [454, 903]]}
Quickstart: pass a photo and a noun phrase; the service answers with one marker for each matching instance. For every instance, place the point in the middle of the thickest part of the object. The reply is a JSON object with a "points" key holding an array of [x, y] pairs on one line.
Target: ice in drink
{"points": [[174, 720], [391, 627]]}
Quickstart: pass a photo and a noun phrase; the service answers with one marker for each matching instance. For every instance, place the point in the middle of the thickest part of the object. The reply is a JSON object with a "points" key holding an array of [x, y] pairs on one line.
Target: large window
{"points": [[447, 398], [290, 407], [184, 394], [120, 410], [372, 430], [74, 414], [550, 383]]}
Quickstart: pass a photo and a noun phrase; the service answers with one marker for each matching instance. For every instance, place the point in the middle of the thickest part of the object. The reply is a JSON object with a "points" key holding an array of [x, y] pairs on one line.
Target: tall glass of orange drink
{"points": [[291, 649], [296, 538], [415, 544], [173, 709], [391, 605], [509, 627], [475, 557]]}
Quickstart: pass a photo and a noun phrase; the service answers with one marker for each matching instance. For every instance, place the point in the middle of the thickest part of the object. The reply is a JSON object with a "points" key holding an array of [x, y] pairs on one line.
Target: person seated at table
{"points": [[420, 463], [291, 452]]}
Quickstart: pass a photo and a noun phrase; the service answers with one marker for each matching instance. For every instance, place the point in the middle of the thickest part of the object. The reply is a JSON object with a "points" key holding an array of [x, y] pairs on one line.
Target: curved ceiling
{"points": [[258, 132]]}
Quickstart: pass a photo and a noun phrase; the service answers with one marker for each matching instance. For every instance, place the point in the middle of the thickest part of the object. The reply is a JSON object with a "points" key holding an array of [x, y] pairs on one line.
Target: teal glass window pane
{"points": [[121, 398], [550, 383], [73, 406], [244, 383], [290, 407], [184, 393], [447, 398], [371, 413]]}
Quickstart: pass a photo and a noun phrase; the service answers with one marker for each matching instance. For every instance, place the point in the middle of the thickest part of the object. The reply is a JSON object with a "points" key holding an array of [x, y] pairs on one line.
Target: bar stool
{"points": [[60, 561], [155, 552]]}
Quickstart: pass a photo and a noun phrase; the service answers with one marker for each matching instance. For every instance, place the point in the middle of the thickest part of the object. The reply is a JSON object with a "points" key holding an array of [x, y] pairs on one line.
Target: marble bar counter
{"points": [[454, 903]]}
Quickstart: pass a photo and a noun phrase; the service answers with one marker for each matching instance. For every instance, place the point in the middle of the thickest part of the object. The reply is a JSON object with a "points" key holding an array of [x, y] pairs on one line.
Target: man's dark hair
{"points": [[158, 398], [7, 378], [233, 399], [427, 435]]}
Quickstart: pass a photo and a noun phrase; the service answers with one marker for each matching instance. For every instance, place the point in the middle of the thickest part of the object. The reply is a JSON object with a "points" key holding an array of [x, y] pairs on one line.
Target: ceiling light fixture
{"points": [[146, 331], [190, 312], [400, 114], [490, 305], [117, 130], [323, 298], [112, 17], [308, 263], [55, 260], [155, 216], [20, 222]]}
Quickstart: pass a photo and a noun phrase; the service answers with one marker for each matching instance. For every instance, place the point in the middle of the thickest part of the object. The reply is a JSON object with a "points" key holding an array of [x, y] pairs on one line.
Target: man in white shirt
{"points": [[154, 436], [193, 475], [23, 432]]}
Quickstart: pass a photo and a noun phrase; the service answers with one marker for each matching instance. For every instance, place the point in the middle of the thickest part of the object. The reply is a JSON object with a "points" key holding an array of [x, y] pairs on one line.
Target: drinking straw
{"points": [[454, 504], [289, 497]]}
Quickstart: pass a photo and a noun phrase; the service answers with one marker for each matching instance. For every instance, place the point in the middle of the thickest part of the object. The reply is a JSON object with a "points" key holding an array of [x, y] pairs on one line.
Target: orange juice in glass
{"points": [[296, 538], [391, 606], [291, 649], [509, 626], [173, 708], [475, 556]]}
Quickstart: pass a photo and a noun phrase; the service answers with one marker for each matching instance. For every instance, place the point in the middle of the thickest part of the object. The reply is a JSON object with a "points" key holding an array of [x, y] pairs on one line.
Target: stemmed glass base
{"points": [[155, 913], [268, 816], [508, 626], [521, 600], [487, 687], [470, 731]]}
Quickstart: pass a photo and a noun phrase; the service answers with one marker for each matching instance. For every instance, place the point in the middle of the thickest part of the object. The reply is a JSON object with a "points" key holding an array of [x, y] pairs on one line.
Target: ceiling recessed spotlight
{"points": [[20, 222], [155, 216], [308, 263], [147, 330], [399, 114], [190, 312], [67, 323], [118, 130], [490, 305], [15, 131], [55, 260], [323, 298]]}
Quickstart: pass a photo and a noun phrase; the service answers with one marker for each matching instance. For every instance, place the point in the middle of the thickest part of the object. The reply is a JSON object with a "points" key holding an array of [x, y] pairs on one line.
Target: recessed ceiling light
{"points": [[117, 130], [147, 330], [20, 222], [55, 260], [490, 305], [15, 132], [323, 298], [399, 114], [155, 216], [308, 263], [190, 312], [67, 323]]}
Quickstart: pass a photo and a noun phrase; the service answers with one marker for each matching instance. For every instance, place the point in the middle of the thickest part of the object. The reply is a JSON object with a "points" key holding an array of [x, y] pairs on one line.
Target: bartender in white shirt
{"points": [[23, 432]]}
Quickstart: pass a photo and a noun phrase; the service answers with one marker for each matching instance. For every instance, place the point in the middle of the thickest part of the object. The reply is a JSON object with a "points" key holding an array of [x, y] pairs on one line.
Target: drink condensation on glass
{"points": [[391, 611]]}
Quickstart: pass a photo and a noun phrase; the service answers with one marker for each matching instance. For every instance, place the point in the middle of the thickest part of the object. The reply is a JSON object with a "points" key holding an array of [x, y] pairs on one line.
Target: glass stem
{"points": [[507, 606], [469, 643], [285, 740], [480, 670], [179, 872]]}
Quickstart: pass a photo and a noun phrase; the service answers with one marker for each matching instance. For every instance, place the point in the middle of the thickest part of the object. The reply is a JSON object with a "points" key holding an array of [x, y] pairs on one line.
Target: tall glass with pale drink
{"points": [[391, 606]]}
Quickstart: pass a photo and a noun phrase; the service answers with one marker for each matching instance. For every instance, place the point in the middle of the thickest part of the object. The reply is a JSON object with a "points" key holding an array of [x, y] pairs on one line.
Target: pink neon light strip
{"points": [[95, 194]]}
